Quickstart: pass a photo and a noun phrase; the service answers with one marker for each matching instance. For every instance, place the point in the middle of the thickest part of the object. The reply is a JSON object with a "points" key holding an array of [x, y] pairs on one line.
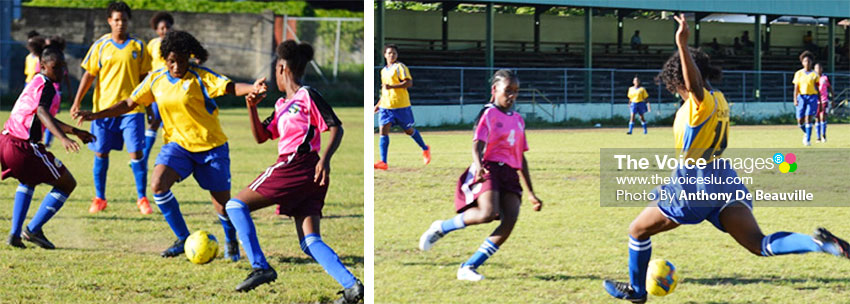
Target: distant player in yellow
{"points": [[638, 104], [394, 106], [117, 62], [31, 65], [162, 23], [806, 95]]}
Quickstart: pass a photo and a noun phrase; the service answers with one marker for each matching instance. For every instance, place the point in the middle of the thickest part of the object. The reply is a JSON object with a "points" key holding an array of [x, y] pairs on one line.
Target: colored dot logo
{"points": [[787, 163]]}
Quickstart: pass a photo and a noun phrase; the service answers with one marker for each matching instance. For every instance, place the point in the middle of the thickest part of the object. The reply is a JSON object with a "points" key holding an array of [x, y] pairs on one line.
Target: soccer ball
{"points": [[661, 277], [201, 247]]}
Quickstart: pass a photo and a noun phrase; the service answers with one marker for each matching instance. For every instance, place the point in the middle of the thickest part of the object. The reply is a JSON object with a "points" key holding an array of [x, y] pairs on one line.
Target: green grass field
{"points": [[562, 254], [113, 256]]}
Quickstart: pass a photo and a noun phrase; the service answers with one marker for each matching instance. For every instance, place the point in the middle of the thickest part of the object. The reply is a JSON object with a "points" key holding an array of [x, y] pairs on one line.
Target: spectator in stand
{"points": [[637, 44], [809, 44], [713, 47], [738, 47], [745, 39]]}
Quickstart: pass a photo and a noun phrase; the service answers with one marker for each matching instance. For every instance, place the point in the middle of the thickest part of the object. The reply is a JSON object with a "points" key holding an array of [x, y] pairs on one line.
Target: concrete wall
{"points": [[456, 114], [427, 25], [240, 45]]}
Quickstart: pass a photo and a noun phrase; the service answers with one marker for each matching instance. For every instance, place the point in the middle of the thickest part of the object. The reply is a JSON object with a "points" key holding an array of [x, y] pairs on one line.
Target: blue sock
{"points": [[150, 139], [418, 139], [782, 242], [802, 128], [229, 229], [167, 203], [385, 145], [101, 164], [823, 125], [808, 132], [817, 126], [49, 206], [639, 254], [140, 172], [453, 224], [240, 217], [643, 124], [326, 257], [486, 250], [23, 197], [631, 126], [48, 137]]}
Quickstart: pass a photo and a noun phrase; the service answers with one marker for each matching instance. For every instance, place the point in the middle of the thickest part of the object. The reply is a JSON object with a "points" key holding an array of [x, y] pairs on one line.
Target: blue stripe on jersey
{"points": [[210, 71], [140, 85], [209, 103], [157, 78], [120, 46], [172, 79], [93, 45], [691, 132]]}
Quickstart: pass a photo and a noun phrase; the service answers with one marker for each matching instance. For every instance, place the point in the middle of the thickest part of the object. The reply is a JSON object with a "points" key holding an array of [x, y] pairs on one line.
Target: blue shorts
{"points": [[113, 133], [807, 105], [210, 168], [402, 117], [689, 212], [637, 107]]}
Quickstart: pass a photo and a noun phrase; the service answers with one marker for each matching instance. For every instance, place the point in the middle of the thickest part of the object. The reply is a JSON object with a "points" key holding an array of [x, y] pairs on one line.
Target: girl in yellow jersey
{"points": [[31, 66], [701, 129], [195, 142], [161, 23], [806, 95], [638, 104]]}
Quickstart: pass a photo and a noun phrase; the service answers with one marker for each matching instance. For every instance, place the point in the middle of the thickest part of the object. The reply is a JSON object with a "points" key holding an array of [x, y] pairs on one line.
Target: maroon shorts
{"points": [[28, 162], [822, 107], [289, 183], [501, 177]]}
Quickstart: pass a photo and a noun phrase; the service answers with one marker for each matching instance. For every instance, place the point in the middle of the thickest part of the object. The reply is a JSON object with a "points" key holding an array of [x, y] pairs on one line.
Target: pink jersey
{"points": [[504, 134], [298, 122], [823, 87], [23, 123]]}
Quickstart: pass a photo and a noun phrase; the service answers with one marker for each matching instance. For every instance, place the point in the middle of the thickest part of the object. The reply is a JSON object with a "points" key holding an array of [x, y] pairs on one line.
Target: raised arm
{"points": [[691, 74], [261, 134]]}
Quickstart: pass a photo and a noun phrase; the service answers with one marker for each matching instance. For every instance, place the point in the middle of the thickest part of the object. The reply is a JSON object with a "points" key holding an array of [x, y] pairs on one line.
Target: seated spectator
{"points": [[713, 48], [808, 43], [738, 46], [745, 39], [636, 43]]}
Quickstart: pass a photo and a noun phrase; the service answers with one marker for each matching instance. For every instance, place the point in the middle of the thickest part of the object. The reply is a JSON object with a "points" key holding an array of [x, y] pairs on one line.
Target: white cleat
{"points": [[806, 142], [431, 236], [467, 273]]}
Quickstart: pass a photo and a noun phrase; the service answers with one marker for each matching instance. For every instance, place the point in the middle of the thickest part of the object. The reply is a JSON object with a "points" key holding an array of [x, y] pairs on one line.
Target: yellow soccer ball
{"points": [[661, 277], [201, 247]]}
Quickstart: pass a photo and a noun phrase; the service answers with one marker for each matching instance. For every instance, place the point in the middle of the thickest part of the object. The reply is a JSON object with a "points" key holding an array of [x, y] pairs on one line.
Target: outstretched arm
{"points": [[691, 74], [115, 110], [242, 89], [59, 129]]}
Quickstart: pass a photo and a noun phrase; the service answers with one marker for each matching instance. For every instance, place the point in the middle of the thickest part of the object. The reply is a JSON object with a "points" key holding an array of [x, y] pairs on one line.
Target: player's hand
{"points": [[323, 172], [253, 99], [84, 136], [479, 174], [81, 116], [683, 32], [536, 203], [376, 107], [385, 86], [75, 108], [260, 86], [70, 145]]}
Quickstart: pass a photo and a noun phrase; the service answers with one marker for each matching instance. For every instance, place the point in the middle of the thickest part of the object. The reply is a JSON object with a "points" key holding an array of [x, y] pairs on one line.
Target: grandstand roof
{"points": [[815, 8]]}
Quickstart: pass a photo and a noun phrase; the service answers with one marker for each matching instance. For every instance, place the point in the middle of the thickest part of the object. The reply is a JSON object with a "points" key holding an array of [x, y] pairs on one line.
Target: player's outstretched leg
{"points": [[161, 181], [53, 201], [220, 199], [650, 222], [23, 197], [240, 216], [478, 214], [439, 229], [509, 204], [312, 244]]}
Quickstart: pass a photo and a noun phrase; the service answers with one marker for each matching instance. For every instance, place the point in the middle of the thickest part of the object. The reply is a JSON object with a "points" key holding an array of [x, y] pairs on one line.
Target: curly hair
{"points": [[32, 33], [56, 41], [671, 73], [181, 42], [296, 56], [119, 6], [36, 45], [805, 54], [52, 53], [161, 16]]}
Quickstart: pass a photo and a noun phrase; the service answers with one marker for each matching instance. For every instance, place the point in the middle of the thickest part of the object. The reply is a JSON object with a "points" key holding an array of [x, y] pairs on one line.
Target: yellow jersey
{"points": [[31, 67], [394, 98], [189, 112], [157, 62], [118, 68], [807, 82], [702, 129], [637, 95]]}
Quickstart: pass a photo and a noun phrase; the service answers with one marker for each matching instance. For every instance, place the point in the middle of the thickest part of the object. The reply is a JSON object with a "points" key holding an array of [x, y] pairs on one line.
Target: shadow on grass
{"points": [[769, 280], [448, 264], [347, 260], [101, 217], [563, 277]]}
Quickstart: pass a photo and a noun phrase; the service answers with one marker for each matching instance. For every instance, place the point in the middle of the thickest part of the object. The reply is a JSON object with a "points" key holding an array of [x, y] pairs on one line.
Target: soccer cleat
{"points": [[431, 236], [232, 251], [175, 249], [831, 243], [806, 142], [38, 238], [624, 291], [351, 295], [426, 155], [97, 204], [15, 241], [467, 273], [256, 278], [380, 165], [144, 206], [628, 132]]}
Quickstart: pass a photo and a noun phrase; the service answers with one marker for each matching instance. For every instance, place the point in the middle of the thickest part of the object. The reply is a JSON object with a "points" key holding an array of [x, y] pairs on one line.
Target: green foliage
{"points": [[292, 8]]}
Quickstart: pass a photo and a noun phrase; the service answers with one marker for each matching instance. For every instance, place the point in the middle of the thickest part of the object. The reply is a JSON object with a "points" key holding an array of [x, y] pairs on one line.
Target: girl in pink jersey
{"points": [[825, 91], [23, 157], [299, 180], [489, 189]]}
